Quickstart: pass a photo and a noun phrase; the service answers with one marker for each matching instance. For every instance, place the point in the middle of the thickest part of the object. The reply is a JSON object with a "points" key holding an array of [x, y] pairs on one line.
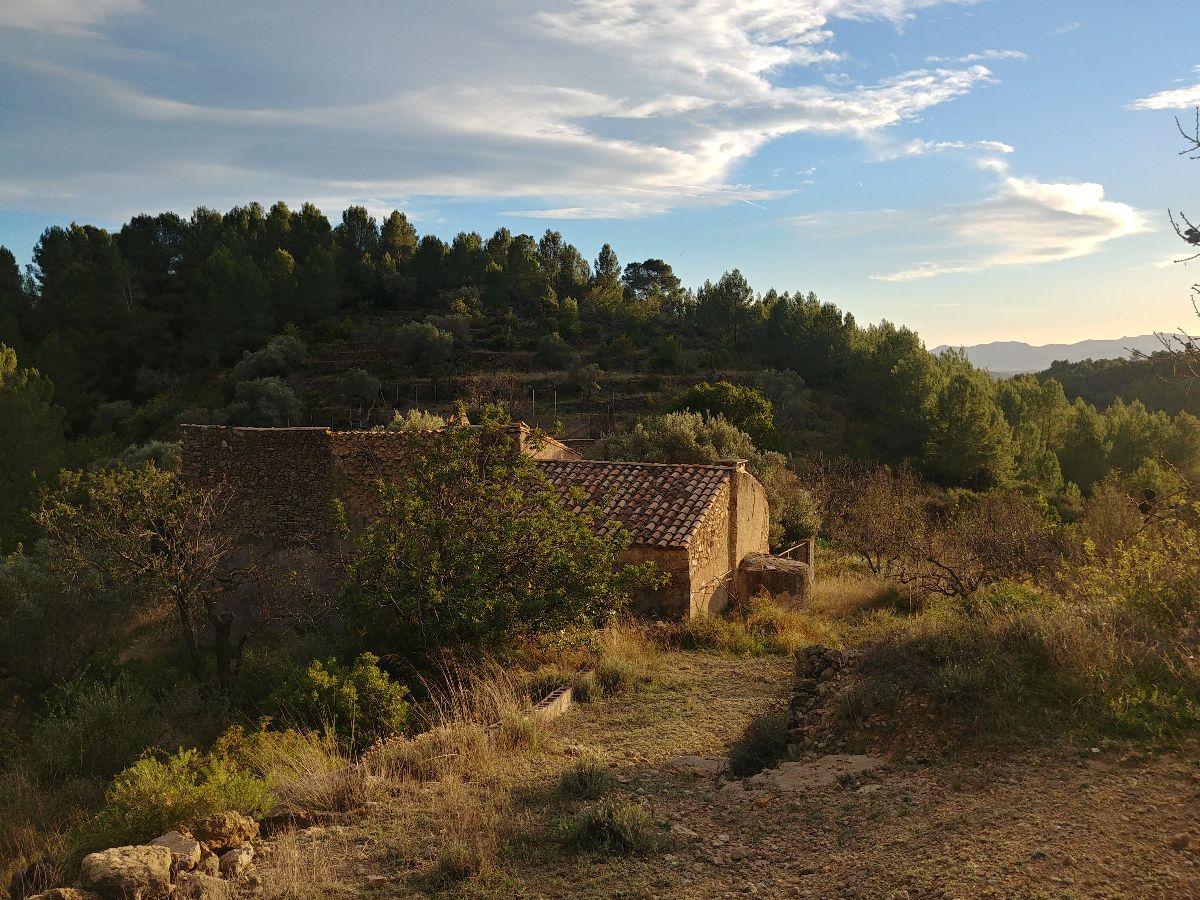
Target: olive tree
{"points": [[143, 533]]}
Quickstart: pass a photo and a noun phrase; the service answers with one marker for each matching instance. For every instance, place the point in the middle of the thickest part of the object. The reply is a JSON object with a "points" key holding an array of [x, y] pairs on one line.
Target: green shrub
{"points": [[156, 794], [474, 548], [266, 402], [614, 826], [742, 406], [94, 729], [359, 703], [588, 778], [268, 666], [359, 386]]}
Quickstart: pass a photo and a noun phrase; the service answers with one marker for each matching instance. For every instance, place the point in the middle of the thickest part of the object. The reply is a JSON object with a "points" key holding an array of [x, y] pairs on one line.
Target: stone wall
{"points": [[283, 481], [709, 558], [280, 481], [670, 600], [752, 522]]}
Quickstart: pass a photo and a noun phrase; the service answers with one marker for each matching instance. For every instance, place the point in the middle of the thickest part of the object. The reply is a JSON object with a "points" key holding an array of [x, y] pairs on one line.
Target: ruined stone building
{"points": [[704, 526]]}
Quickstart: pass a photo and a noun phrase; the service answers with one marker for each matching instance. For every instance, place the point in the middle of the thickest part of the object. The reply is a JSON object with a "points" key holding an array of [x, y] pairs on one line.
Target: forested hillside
{"points": [[1157, 380], [989, 546], [270, 317]]}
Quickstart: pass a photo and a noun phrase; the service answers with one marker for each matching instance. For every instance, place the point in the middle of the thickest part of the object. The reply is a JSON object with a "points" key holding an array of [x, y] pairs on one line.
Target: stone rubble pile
{"points": [[204, 861], [820, 671]]}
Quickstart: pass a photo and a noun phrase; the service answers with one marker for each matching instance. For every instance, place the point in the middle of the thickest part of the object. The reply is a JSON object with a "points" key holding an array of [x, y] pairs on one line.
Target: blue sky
{"points": [[977, 170]]}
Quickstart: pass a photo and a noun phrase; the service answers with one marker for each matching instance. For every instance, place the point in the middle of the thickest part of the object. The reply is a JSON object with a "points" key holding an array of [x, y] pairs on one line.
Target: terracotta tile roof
{"points": [[660, 505]]}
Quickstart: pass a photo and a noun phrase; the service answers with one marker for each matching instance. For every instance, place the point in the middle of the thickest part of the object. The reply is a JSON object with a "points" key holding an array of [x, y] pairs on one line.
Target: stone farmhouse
{"points": [[704, 526]]}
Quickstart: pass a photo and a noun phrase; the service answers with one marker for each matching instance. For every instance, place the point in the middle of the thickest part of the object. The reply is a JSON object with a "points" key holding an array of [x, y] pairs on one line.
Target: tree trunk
{"points": [[222, 624], [189, 637]]}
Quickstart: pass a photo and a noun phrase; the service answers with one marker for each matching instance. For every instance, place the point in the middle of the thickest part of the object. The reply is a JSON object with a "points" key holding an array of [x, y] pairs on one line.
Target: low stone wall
{"points": [[820, 671]]}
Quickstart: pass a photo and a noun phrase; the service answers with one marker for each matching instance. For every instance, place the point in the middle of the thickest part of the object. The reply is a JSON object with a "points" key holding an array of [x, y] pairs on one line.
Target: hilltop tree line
{"points": [[113, 338]]}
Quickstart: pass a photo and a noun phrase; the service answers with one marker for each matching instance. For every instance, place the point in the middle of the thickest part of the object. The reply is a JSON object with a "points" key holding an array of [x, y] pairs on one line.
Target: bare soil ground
{"points": [[1062, 822]]}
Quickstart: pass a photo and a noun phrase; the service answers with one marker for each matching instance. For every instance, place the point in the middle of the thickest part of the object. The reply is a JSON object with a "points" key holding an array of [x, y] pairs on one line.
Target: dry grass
{"points": [[482, 694], [299, 866], [625, 659], [33, 824], [448, 750], [1018, 662], [474, 817], [309, 776], [762, 627], [846, 598], [519, 731]]}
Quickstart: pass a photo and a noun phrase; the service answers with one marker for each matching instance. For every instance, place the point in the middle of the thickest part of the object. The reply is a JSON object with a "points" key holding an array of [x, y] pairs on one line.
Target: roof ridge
{"points": [[627, 462]]}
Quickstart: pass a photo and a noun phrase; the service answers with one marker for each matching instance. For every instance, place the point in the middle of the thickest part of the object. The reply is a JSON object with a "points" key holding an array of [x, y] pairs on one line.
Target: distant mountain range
{"points": [[1014, 357]]}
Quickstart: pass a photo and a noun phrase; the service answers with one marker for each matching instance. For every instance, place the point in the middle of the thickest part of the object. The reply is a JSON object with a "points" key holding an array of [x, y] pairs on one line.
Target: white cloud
{"points": [[589, 107], [1027, 222], [982, 56], [1067, 28], [918, 147], [1176, 98], [61, 15]]}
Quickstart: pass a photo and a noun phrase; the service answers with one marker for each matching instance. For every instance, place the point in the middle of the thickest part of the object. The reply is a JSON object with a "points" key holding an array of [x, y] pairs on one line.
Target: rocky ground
{"points": [[1072, 821]]}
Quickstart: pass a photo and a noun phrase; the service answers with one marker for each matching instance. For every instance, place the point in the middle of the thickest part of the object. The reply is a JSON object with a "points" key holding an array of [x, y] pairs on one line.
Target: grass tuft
{"points": [[458, 859], [519, 731], [613, 826], [588, 778], [625, 661]]}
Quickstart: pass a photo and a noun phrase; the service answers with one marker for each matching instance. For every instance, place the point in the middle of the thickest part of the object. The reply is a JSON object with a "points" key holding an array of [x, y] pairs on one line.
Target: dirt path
{"points": [[1050, 825]]}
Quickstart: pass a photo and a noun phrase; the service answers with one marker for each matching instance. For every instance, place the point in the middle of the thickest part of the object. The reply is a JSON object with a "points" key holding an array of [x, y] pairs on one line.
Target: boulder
{"points": [[35, 877], [128, 873], [785, 580], [185, 851], [823, 772], [197, 886], [65, 893], [210, 864], [699, 765], [224, 831], [237, 861]]}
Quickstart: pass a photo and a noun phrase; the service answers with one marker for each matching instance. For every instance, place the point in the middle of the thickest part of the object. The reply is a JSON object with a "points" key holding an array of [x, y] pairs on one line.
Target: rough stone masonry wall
{"points": [[709, 558], [283, 481], [360, 459], [671, 599], [280, 482], [753, 518]]}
